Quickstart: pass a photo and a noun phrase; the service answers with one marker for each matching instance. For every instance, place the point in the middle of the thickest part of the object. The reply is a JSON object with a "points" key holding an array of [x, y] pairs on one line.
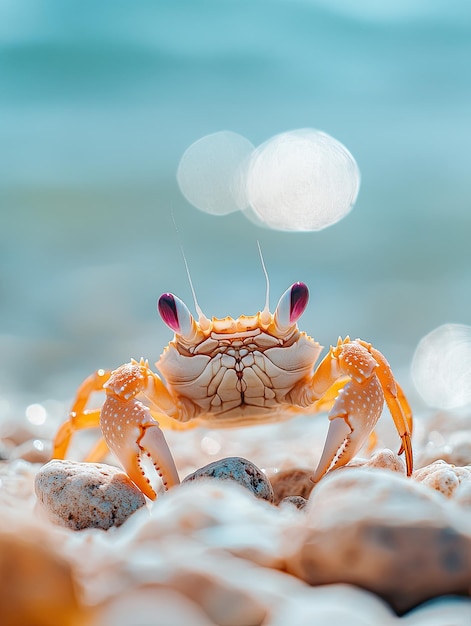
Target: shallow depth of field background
{"points": [[99, 100]]}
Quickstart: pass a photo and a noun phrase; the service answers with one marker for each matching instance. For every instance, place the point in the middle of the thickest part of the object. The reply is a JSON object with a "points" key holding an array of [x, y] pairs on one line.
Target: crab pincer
{"points": [[131, 432], [359, 403]]}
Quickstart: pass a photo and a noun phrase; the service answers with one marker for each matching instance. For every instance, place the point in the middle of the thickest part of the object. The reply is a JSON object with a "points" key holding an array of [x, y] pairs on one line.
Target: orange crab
{"points": [[237, 372]]}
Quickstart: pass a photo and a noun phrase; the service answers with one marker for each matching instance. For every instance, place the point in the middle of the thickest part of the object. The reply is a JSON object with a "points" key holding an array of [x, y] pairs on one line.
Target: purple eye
{"points": [[175, 314], [291, 305], [299, 300]]}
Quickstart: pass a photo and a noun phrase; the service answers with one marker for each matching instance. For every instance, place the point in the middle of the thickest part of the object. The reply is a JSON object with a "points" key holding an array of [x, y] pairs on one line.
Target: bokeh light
{"points": [[36, 414], [209, 172], [301, 180], [441, 366], [100, 102]]}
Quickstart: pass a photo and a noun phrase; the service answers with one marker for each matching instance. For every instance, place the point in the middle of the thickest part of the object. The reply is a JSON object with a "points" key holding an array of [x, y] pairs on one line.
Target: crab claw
{"points": [[339, 436], [353, 418], [131, 432]]}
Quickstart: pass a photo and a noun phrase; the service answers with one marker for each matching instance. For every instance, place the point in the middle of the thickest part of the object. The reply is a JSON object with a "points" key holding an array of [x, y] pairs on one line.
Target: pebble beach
{"points": [[244, 540]]}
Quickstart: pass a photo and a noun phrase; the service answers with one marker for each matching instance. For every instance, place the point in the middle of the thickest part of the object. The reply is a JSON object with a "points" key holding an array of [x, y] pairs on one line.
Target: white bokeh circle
{"points": [[441, 366], [210, 173], [301, 180]]}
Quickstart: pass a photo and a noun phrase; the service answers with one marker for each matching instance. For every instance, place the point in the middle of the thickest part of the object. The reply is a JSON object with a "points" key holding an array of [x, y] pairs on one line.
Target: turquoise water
{"points": [[98, 101]]}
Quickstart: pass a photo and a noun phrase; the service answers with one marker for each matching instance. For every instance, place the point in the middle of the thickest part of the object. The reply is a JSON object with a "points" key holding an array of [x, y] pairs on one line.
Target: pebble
{"points": [[292, 482], [443, 477], [387, 459], [38, 587], [385, 533], [230, 591], [368, 544], [333, 604], [151, 606], [222, 515], [345, 604], [86, 495], [298, 501], [462, 495], [239, 470]]}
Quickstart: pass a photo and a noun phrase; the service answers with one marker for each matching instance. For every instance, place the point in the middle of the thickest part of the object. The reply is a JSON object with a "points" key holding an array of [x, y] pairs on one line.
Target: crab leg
{"points": [[359, 403], [79, 418], [99, 451], [87, 419], [395, 399], [407, 411]]}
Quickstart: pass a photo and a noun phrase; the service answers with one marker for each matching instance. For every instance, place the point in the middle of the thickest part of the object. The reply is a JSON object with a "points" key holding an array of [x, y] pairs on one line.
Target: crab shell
{"points": [[235, 372]]}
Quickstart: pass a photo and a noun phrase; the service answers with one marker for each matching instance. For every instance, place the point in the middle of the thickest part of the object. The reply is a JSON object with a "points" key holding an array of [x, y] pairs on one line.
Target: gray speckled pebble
{"points": [[298, 501], [239, 470], [86, 495]]}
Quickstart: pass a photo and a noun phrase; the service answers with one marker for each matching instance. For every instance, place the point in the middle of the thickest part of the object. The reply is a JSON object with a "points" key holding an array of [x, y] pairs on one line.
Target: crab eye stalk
{"points": [[291, 305], [175, 314]]}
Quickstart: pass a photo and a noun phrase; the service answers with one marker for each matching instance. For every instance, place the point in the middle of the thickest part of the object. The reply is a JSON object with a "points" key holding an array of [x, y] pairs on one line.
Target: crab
{"points": [[226, 372]]}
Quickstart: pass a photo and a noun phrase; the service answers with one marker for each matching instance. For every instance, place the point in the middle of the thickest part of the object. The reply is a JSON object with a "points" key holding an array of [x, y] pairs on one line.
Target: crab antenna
{"points": [[201, 315], [267, 297], [198, 309]]}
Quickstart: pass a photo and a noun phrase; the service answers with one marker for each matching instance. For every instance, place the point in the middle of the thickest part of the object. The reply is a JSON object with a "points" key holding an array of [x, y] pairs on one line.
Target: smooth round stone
{"points": [[239, 470], [38, 587], [152, 605], [86, 495], [292, 482], [385, 533], [388, 460]]}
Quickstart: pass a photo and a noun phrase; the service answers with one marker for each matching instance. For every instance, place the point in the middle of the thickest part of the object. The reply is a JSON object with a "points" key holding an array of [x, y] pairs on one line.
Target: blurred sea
{"points": [[99, 100]]}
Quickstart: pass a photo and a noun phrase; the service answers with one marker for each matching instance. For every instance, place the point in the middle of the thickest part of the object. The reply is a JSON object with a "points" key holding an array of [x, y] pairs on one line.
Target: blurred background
{"points": [[98, 102]]}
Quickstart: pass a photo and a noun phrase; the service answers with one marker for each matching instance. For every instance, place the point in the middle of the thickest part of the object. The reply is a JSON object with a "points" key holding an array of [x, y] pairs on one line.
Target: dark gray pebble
{"points": [[239, 470]]}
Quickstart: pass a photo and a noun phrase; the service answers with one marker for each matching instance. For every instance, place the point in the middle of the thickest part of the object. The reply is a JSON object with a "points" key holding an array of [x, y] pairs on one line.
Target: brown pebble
{"points": [[385, 533], [239, 470], [86, 495], [38, 586], [292, 482]]}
